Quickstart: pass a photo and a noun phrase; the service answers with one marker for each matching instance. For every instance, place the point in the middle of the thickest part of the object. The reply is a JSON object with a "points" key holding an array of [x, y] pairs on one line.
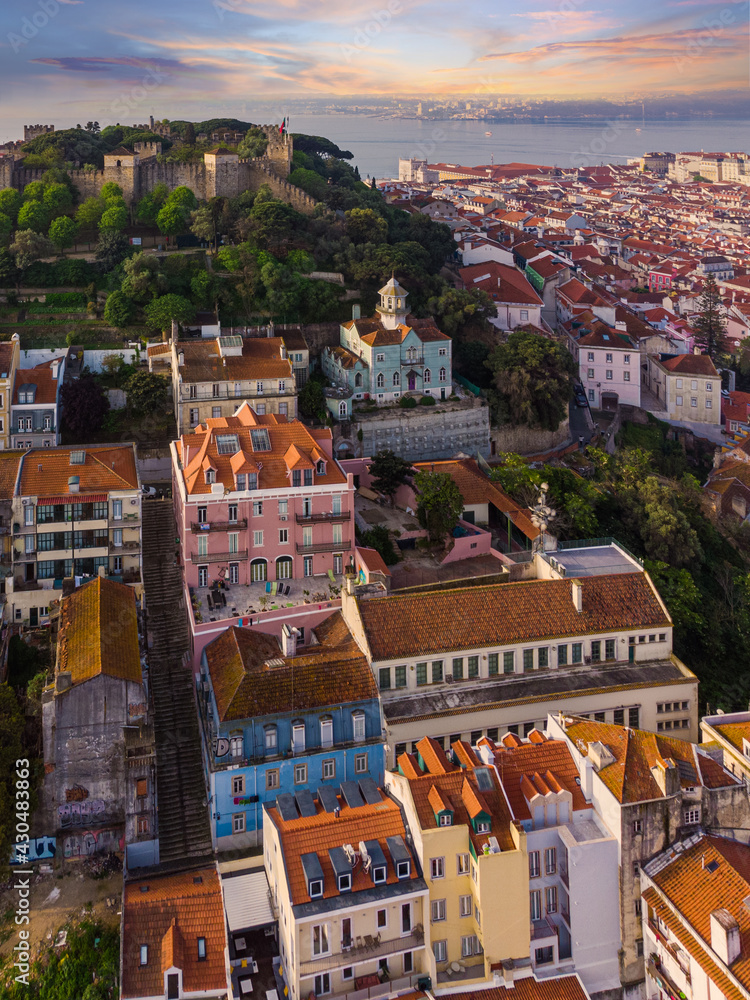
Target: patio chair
{"points": [[274, 588], [331, 576], [287, 590], [268, 587]]}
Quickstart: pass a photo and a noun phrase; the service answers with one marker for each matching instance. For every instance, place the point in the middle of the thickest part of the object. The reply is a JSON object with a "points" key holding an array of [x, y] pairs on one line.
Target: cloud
{"points": [[93, 64]]}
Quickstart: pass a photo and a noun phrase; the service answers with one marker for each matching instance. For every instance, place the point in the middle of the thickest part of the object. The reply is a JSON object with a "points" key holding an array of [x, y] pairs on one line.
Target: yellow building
{"points": [[474, 860], [347, 892]]}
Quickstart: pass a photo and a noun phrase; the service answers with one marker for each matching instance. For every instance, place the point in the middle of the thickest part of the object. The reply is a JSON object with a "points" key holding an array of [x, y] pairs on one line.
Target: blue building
{"points": [[281, 719], [388, 356]]}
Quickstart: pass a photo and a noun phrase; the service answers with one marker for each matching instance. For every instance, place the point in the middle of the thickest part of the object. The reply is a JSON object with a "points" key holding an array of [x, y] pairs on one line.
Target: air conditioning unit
{"points": [[282, 517]]}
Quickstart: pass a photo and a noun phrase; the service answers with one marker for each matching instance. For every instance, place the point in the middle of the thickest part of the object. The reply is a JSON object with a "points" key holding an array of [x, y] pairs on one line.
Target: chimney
{"points": [[289, 640], [725, 936], [577, 588], [667, 777], [74, 484], [509, 969], [350, 579]]}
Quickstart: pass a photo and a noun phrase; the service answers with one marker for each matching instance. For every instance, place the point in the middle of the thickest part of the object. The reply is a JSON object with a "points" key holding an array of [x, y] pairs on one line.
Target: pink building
{"points": [[260, 498]]}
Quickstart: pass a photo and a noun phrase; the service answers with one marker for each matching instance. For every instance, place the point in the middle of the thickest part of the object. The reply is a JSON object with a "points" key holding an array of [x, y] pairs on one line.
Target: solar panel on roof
{"points": [[484, 779], [328, 798], [352, 795], [305, 803], [369, 790], [260, 440], [287, 806]]}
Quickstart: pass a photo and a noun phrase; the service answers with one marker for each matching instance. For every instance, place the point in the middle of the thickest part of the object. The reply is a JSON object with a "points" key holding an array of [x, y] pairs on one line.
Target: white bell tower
{"points": [[392, 308]]}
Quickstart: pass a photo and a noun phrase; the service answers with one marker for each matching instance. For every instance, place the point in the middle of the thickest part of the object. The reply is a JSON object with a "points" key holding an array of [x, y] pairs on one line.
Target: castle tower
{"points": [[121, 166], [222, 175], [392, 307], [279, 152]]}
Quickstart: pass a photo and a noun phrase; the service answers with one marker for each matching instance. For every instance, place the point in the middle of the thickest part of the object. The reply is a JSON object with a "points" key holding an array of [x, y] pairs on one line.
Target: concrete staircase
{"points": [[184, 833]]}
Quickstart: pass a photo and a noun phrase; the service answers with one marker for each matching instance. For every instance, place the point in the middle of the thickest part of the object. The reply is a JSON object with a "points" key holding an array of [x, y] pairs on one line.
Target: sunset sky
{"points": [[114, 61]]}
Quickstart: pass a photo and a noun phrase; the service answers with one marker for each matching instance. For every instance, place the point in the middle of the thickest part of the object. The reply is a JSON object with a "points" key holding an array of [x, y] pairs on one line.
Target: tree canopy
{"points": [[439, 503], [532, 380]]}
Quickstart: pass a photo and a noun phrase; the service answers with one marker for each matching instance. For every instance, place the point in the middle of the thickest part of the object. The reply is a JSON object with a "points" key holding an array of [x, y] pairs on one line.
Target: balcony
{"points": [[418, 361], [668, 948], [201, 527], [664, 981], [543, 930], [216, 557], [306, 550], [125, 547], [344, 515], [564, 876], [361, 950], [204, 395]]}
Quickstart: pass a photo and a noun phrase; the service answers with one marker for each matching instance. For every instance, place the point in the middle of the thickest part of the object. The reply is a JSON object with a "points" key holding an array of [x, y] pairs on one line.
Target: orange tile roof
{"points": [[316, 834], [528, 767], [6, 358], [9, 462], [41, 377], [503, 614], [373, 560], [734, 733], [528, 988], [46, 471], [695, 891], [260, 358], [635, 751], [99, 632], [690, 364], [250, 677], [169, 918], [199, 451]]}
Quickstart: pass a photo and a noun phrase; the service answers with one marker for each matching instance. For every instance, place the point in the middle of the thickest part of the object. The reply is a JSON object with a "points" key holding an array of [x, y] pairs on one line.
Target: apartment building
{"points": [[586, 631], [728, 737], [34, 416], [688, 385], [474, 860], [572, 860], [260, 498], [280, 720], [351, 901], [695, 919], [10, 353], [651, 790], [76, 512], [212, 378]]}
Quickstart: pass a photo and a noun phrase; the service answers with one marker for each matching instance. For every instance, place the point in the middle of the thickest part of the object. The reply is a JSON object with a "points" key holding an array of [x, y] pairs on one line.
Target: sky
{"points": [[68, 61]]}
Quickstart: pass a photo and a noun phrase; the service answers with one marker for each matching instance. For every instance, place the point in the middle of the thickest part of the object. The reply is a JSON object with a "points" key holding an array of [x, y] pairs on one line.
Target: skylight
{"points": [[227, 444], [260, 439], [77, 457]]}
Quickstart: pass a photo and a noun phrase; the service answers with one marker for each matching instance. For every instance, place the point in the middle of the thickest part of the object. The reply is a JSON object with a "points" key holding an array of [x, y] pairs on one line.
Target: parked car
{"points": [[148, 491], [581, 397]]}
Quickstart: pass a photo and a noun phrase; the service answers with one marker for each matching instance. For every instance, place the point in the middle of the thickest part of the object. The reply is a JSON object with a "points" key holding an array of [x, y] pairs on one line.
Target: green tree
{"points": [[147, 393], [532, 376], [709, 323], [379, 538], [254, 144], [151, 204], [10, 202], [439, 503], [90, 212], [172, 220], [189, 134], [34, 191], [389, 471], [311, 399], [666, 531], [211, 219], [33, 215], [27, 248], [84, 406], [62, 231], [119, 309], [58, 198], [456, 308], [111, 249], [161, 311], [144, 278], [6, 228], [363, 225], [114, 218], [111, 192]]}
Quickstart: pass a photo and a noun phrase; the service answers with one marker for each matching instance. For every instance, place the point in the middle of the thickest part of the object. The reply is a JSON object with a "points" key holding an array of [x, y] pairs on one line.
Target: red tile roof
{"points": [[169, 917], [41, 377], [98, 632], [105, 468], [527, 988], [690, 364], [548, 763], [503, 614]]}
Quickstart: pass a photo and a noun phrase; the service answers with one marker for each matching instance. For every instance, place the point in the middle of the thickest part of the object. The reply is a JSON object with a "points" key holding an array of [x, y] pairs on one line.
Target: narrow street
{"points": [[184, 833]]}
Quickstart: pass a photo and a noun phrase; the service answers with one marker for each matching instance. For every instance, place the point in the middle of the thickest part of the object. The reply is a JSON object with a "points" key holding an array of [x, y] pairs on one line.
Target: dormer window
{"points": [[379, 874], [239, 482], [483, 826], [403, 869], [446, 819], [345, 883], [201, 949], [252, 480], [320, 468], [210, 476], [315, 888], [308, 477]]}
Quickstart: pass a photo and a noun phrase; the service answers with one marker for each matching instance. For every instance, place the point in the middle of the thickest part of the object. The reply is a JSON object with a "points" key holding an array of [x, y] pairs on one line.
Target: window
{"points": [[637, 826], [637, 907], [550, 860], [384, 678], [358, 723], [543, 656], [694, 384], [347, 973], [562, 655], [298, 736], [462, 864], [427, 377], [692, 816], [28, 514], [535, 904], [534, 870], [257, 538], [619, 716], [272, 779], [446, 819], [528, 659], [328, 769], [596, 651], [360, 763], [283, 536], [626, 376], [591, 373], [592, 395], [300, 774], [437, 910], [590, 356], [709, 387], [380, 381], [577, 652], [400, 673], [470, 946], [509, 662], [440, 950], [215, 411], [326, 731], [464, 906], [143, 824], [380, 357], [636, 869], [609, 649], [678, 400], [473, 667], [201, 949], [235, 746], [442, 375], [141, 788], [408, 962], [238, 784], [421, 674], [238, 823], [639, 947], [144, 954], [320, 941], [609, 374], [117, 510], [633, 714], [270, 735], [493, 664], [709, 404], [544, 956], [626, 359], [550, 899], [693, 400], [679, 383], [437, 867]]}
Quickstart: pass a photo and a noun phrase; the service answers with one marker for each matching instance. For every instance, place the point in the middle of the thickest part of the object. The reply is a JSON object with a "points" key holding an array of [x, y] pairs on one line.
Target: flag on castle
{"points": [[282, 127]]}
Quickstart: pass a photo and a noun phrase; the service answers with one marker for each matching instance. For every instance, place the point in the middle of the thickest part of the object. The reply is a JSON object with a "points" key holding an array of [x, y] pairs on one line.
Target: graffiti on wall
{"points": [[84, 845], [82, 813], [39, 849], [76, 794]]}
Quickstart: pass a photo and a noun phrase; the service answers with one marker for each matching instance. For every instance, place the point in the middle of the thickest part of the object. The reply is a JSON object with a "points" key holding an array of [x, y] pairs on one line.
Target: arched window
{"points": [[210, 476], [381, 380], [258, 570], [358, 725], [284, 568], [271, 739], [442, 374], [396, 378], [342, 408], [427, 376], [326, 731], [119, 163], [358, 380], [411, 353]]}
